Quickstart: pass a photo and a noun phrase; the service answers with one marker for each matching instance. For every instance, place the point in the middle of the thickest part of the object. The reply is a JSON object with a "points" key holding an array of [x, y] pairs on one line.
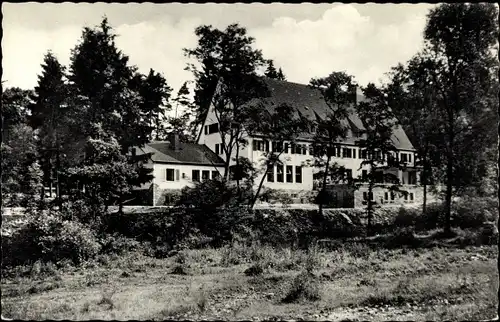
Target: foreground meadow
{"points": [[350, 282]]}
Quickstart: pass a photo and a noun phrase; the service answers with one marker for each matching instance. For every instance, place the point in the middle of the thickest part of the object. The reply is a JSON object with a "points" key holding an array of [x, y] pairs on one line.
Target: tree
{"points": [[271, 71], [222, 56], [180, 123], [460, 39], [410, 96], [336, 90], [376, 145], [112, 101], [106, 174], [155, 94], [48, 116], [15, 102], [20, 170], [278, 124], [228, 82]]}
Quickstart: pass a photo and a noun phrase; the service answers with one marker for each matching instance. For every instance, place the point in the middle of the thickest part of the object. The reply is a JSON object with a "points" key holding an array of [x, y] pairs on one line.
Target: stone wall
{"points": [[399, 199]]}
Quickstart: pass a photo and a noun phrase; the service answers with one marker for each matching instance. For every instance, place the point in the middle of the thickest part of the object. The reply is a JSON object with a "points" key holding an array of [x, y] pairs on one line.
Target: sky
{"points": [[305, 40]]}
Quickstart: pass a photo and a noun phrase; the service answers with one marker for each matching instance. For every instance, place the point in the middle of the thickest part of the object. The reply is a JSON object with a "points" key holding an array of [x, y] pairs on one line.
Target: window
{"points": [[411, 196], [298, 174], [216, 148], [311, 150], [363, 154], [365, 195], [260, 145], [215, 175], [286, 148], [195, 175], [270, 174], [289, 173], [279, 174], [409, 157], [392, 196], [213, 128], [364, 175], [406, 196], [386, 196], [205, 175], [354, 153], [170, 175], [346, 153], [177, 175], [404, 157], [206, 129]]}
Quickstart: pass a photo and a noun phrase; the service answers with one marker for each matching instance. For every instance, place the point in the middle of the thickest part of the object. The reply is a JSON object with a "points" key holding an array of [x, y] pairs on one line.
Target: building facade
{"points": [[297, 176]]}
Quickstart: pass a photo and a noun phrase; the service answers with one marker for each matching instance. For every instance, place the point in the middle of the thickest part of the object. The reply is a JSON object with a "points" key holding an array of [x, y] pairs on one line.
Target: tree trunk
{"points": [[449, 187], [58, 187], [323, 184], [424, 181], [449, 173], [369, 209], [261, 183], [238, 190]]}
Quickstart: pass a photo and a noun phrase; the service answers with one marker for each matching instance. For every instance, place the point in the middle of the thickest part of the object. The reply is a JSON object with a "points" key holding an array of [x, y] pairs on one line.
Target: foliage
{"points": [[377, 144], [304, 286], [48, 237], [459, 55], [281, 125], [271, 71], [21, 173], [106, 175], [180, 123], [224, 55], [336, 90]]}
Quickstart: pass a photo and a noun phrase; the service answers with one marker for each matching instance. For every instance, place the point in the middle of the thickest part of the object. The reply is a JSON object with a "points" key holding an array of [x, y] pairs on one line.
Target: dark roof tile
{"points": [[190, 153], [310, 103]]}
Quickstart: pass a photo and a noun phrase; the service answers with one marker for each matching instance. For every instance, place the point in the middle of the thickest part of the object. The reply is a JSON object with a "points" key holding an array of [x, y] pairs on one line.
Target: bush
{"points": [[254, 270], [118, 244], [47, 237], [470, 212], [304, 287]]}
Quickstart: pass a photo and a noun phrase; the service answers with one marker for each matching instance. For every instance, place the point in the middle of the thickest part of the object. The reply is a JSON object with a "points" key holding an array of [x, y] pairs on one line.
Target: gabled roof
{"points": [[310, 103], [186, 153]]}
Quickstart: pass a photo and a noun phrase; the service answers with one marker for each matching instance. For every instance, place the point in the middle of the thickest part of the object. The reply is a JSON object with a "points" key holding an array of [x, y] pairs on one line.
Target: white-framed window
{"points": [[170, 174], [298, 174]]}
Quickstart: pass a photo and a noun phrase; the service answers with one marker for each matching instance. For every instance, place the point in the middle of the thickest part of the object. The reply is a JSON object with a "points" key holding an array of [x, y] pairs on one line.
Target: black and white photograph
{"points": [[250, 161]]}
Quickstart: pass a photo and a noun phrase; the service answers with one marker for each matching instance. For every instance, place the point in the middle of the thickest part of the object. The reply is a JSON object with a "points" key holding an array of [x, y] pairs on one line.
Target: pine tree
{"points": [[48, 115]]}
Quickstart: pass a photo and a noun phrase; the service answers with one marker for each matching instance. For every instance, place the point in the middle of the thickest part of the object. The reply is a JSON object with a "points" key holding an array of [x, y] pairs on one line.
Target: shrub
{"points": [[304, 287], [403, 237], [47, 237], [254, 270], [470, 212], [407, 217], [179, 270], [118, 244]]}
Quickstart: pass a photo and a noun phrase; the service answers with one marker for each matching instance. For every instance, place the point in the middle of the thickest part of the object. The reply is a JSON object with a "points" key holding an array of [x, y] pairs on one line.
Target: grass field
{"points": [[350, 283]]}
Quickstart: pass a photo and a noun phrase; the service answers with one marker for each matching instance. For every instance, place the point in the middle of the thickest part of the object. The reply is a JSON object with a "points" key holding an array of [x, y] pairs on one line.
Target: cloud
{"points": [[340, 39]]}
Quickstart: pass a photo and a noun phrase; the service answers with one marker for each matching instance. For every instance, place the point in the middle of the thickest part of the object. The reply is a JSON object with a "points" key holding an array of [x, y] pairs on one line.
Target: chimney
{"points": [[174, 141]]}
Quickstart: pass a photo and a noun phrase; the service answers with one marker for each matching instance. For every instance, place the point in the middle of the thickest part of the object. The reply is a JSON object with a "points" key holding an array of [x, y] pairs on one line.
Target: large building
{"points": [[295, 176]]}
